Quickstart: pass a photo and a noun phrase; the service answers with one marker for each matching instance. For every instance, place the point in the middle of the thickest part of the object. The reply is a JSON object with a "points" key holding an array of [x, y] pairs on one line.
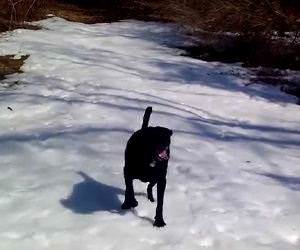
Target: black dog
{"points": [[146, 158]]}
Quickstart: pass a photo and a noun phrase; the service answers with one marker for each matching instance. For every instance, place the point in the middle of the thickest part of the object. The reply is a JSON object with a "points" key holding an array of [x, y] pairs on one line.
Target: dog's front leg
{"points": [[130, 201], [161, 186]]}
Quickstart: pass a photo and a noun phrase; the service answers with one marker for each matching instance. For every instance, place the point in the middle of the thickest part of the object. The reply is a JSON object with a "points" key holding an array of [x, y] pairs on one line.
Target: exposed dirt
{"points": [[9, 64], [6, 25], [75, 13], [87, 12]]}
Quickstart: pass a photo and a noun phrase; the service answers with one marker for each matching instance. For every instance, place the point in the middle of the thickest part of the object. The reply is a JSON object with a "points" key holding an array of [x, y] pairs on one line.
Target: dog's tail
{"points": [[146, 118]]}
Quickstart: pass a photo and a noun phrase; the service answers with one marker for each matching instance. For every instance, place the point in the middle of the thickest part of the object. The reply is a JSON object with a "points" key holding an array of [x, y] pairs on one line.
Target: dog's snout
{"points": [[163, 154]]}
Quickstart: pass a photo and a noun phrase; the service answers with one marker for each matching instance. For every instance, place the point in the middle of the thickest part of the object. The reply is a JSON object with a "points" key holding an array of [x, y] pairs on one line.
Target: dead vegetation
{"points": [[243, 16], [248, 17], [15, 13], [255, 32]]}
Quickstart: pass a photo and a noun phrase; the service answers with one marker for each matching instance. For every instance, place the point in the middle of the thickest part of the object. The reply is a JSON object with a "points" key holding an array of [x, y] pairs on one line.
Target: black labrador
{"points": [[146, 158]]}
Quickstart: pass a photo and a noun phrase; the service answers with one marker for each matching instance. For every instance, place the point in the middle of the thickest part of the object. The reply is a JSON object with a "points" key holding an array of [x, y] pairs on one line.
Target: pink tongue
{"points": [[163, 155]]}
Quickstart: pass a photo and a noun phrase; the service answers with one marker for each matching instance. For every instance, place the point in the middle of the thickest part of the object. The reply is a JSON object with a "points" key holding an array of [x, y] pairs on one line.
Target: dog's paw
{"points": [[150, 197], [150, 194], [129, 204], [159, 223]]}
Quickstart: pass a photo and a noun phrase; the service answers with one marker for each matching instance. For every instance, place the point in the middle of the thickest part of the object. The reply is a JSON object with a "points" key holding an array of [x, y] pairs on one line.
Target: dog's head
{"points": [[162, 140]]}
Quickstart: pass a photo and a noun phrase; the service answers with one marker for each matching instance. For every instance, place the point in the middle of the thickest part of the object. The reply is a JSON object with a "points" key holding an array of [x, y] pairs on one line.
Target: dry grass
{"points": [[14, 13], [244, 16]]}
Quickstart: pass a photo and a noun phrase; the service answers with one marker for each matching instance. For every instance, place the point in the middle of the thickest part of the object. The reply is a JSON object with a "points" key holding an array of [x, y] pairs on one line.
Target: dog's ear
{"points": [[170, 132]]}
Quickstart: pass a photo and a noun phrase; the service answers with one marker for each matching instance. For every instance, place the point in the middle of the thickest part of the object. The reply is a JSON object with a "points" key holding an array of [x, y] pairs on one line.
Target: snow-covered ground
{"points": [[234, 173]]}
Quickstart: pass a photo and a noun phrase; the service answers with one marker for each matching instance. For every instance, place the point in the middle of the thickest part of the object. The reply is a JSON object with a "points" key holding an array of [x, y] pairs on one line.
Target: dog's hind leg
{"points": [[130, 201], [149, 191]]}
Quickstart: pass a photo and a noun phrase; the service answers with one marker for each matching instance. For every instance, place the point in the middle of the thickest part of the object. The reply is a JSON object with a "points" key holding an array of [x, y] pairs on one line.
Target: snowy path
{"points": [[234, 175]]}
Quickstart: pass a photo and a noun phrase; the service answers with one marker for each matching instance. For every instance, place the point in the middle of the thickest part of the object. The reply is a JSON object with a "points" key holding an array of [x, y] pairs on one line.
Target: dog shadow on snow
{"points": [[90, 196]]}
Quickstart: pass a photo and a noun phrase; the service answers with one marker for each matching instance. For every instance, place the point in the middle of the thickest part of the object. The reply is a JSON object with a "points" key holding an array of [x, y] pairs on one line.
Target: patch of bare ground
{"points": [[9, 64], [287, 82], [280, 53], [90, 11], [6, 25], [74, 13]]}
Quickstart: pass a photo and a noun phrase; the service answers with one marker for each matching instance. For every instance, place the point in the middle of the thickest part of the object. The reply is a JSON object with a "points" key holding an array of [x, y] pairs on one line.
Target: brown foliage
{"points": [[15, 12], [244, 16]]}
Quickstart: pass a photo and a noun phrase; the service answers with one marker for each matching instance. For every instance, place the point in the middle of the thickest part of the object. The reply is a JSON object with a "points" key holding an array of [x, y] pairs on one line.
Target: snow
{"points": [[234, 176]]}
